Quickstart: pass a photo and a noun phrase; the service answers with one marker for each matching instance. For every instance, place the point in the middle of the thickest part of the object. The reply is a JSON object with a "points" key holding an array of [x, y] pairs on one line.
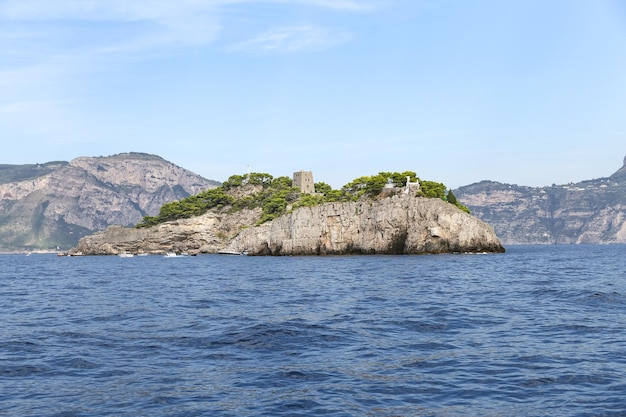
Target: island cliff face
{"points": [[395, 225]]}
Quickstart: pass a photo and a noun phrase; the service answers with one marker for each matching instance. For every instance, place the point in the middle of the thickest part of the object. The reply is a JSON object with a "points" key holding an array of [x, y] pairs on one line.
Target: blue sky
{"points": [[530, 92]]}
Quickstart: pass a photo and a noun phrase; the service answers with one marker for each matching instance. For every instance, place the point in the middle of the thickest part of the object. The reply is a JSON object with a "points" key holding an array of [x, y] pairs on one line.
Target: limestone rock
{"points": [[396, 225]]}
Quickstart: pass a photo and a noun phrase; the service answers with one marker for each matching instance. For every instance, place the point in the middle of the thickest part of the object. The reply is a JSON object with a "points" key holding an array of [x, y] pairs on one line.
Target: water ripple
{"points": [[538, 331]]}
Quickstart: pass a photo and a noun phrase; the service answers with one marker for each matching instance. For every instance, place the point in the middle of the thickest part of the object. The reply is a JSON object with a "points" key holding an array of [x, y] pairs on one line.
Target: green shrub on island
{"points": [[275, 196], [191, 206]]}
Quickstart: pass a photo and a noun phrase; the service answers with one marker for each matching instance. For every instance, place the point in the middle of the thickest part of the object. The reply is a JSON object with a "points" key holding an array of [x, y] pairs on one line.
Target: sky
{"points": [[527, 92]]}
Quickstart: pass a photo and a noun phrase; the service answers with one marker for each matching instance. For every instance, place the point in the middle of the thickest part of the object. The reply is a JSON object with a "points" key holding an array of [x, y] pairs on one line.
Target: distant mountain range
{"points": [[592, 211], [45, 206]]}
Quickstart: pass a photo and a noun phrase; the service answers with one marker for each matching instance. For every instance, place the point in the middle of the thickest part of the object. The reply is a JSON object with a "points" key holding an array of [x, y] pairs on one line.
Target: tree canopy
{"points": [[277, 195]]}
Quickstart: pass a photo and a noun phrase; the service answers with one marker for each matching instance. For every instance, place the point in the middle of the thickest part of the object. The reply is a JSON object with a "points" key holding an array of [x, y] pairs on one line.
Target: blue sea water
{"points": [[537, 331]]}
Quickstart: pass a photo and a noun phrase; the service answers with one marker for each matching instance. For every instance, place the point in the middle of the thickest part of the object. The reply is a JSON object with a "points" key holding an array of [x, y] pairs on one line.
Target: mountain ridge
{"points": [[590, 211], [54, 204]]}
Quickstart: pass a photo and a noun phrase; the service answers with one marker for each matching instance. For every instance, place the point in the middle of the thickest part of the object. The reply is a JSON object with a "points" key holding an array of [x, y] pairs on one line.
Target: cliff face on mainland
{"points": [[43, 206], [396, 225], [591, 211]]}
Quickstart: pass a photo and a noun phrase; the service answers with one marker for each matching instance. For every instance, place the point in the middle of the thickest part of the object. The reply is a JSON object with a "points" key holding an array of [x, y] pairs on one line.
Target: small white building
{"points": [[415, 186]]}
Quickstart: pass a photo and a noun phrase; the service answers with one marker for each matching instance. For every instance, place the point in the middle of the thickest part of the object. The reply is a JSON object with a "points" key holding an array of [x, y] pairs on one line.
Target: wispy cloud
{"points": [[118, 25], [100, 10], [159, 10], [48, 47], [123, 26], [354, 5], [294, 39]]}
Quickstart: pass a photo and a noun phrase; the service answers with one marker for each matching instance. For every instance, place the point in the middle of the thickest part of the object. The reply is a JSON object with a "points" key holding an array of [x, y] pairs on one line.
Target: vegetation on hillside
{"points": [[275, 196]]}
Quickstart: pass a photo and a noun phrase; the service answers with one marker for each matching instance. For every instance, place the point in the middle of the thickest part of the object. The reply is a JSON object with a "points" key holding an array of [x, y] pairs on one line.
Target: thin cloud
{"points": [[99, 10], [139, 24], [130, 26], [48, 47], [342, 4], [161, 10], [294, 39]]}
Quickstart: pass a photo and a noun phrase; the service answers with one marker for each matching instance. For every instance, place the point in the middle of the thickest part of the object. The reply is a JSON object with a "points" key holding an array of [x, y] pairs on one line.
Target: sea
{"points": [[535, 331]]}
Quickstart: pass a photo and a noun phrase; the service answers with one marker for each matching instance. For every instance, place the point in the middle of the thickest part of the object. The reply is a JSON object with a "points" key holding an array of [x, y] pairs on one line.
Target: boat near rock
{"points": [[232, 252]]}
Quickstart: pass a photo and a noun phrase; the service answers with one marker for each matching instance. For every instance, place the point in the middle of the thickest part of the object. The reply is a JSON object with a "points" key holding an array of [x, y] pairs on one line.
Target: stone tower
{"points": [[303, 180]]}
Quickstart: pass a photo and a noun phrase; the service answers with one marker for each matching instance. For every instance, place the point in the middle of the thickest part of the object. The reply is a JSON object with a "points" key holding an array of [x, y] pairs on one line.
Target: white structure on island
{"points": [[391, 188], [303, 180], [411, 185]]}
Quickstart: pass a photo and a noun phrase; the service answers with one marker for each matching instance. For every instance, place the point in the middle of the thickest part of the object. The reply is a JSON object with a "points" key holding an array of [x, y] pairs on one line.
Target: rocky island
{"points": [[260, 215]]}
